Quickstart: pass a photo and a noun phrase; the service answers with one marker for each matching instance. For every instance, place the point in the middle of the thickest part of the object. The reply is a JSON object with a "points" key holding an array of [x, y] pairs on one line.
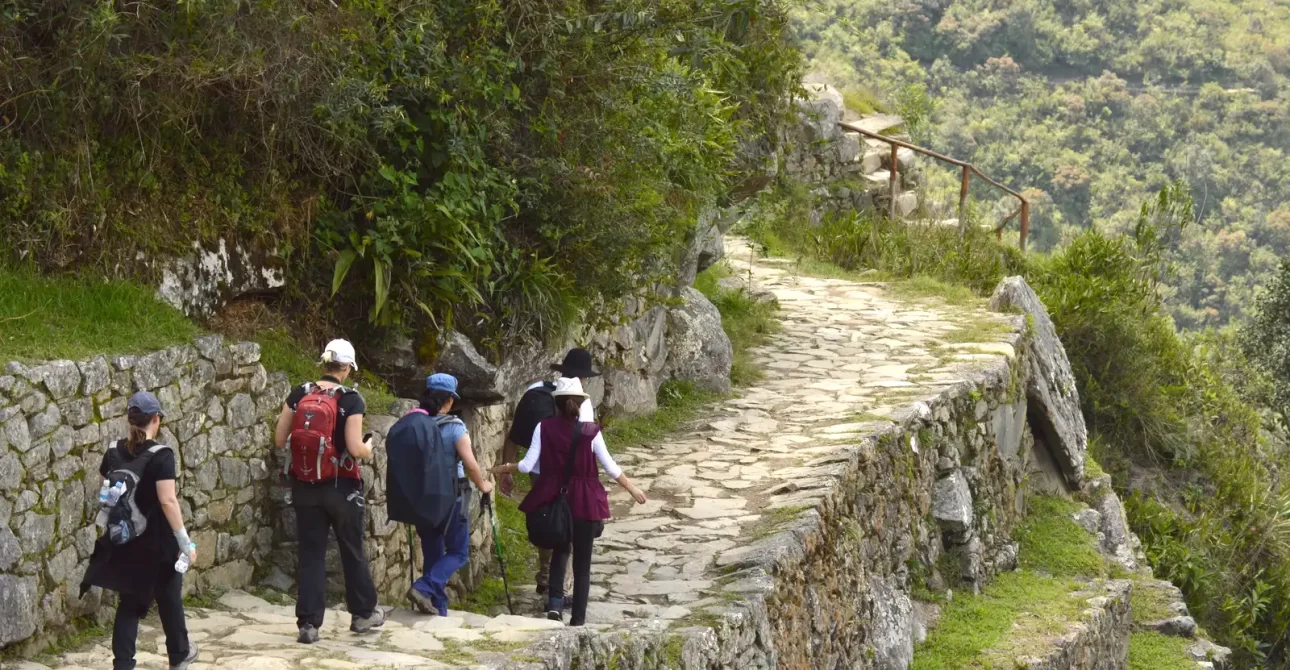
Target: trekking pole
{"points": [[412, 557], [497, 544]]}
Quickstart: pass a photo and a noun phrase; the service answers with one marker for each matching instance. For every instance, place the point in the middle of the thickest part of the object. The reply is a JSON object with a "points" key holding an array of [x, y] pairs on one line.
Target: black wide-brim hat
{"points": [[577, 363]]}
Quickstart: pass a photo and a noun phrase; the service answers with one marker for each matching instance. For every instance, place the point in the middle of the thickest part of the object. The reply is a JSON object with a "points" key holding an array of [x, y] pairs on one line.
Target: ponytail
{"points": [[138, 423], [570, 406]]}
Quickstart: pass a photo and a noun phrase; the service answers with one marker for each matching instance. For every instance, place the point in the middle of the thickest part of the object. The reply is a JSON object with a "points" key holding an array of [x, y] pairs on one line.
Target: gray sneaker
{"points": [[308, 634], [192, 656], [420, 602], [365, 624]]}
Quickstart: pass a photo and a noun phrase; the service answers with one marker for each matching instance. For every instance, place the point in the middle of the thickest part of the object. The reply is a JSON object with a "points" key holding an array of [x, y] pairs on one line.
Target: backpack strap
{"points": [[158, 448], [417, 410]]}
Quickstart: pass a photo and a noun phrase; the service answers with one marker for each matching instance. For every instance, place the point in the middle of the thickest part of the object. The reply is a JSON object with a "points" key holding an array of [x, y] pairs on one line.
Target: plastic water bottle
{"points": [[115, 493], [181, 565], [103, 492]]}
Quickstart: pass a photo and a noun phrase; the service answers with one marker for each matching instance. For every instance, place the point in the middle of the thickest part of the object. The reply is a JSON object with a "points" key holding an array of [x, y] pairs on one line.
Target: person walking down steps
{"points": [[534, 406], [145, 547], [567, 450], [321, 425], [430, 457]]}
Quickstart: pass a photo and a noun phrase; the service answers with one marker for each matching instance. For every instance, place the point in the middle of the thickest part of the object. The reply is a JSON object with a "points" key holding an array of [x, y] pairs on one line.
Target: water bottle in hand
{"points": [[185, 558]]}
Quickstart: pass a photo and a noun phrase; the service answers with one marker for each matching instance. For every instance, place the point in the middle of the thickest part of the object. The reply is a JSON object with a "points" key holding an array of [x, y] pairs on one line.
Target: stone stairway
{"points": [[850, 361]]}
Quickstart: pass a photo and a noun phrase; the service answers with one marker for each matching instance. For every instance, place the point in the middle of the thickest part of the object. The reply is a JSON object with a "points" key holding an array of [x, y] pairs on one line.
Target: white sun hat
{"points": [[340, 351], [568, 386]]}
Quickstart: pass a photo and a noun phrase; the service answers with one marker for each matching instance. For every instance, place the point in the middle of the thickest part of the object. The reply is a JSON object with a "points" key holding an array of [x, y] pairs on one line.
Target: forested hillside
{"points": [[1096, 105]]}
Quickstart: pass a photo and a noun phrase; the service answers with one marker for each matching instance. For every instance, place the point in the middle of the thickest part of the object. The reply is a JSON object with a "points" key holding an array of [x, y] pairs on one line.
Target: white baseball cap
{"points": [[340, 351]]}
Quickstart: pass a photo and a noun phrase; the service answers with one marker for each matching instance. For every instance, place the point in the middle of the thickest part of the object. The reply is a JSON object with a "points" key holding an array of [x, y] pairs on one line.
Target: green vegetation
{"points": [[521, 557], [747, 322], [1266, 341], [1019, 612], [1153, 651], [445, 164], [78, 317]]}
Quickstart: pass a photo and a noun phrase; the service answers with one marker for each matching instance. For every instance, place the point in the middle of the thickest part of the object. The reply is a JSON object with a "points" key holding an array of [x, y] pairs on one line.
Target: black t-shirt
{"points": [[349, 404]]}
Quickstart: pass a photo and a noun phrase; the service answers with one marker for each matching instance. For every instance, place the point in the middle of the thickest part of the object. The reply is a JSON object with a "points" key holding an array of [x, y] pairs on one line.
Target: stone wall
{"points": [[57, 419]]}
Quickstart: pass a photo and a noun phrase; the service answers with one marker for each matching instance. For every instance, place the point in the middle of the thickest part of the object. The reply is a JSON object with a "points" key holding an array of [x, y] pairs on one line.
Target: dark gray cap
{"points": [[146, 403]]}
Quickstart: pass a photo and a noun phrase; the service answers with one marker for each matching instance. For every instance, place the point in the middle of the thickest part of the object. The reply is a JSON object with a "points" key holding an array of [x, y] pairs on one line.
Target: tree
{"points": [[1267, 338]]}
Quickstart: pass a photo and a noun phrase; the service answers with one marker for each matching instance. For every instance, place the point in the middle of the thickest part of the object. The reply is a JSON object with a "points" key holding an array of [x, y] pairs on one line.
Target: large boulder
{"points": [[698, 349], [203, 281], [18, 601], [1050, 392], [481, 380], [893, 627]]}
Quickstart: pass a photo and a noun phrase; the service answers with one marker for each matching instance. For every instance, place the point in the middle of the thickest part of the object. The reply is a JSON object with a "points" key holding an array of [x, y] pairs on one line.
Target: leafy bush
{"points": [[433, 164], [1266, 340]]}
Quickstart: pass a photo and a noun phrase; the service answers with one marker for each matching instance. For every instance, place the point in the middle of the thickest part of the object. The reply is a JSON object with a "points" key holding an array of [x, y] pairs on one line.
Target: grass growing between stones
{"points": [[747, 322], [678, 404], [1019, 612], [520, 556], [1153, 651], [45, 318]]}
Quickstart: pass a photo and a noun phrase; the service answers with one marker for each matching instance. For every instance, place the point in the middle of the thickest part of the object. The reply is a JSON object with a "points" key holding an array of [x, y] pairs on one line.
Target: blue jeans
{"points": [[444, 554]]}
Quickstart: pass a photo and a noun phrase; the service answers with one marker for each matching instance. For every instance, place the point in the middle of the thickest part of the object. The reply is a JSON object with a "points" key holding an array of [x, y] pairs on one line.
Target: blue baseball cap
{"points": [[441, 381], [145, 403]]}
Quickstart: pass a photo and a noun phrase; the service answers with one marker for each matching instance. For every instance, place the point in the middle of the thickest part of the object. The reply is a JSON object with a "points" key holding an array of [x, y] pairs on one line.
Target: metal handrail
{"points": [[968, 170]]}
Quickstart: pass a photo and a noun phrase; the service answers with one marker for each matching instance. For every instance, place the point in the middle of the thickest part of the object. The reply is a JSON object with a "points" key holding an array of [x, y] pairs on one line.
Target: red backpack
{"points": [[314, 455]]}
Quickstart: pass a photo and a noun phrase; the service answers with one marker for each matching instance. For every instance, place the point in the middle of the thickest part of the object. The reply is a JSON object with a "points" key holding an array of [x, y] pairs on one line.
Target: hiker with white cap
{"points": [[536, 405], [321, 425], [144, 549], [567, 450]]}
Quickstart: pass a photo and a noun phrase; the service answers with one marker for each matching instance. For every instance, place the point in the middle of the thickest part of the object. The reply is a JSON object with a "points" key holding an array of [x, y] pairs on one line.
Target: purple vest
{"points": [[587, 497]]}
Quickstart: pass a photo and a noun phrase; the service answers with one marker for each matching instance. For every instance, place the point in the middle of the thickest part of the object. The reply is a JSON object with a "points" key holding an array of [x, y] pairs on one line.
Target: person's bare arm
{"points": [[174, 515], [471, 466], [637, 494], [504, 480], [283, 430], [354, 437]]}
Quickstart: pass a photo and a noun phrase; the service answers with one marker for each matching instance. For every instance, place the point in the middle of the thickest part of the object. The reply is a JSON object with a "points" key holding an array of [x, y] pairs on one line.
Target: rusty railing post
{"points": [[895, 181], [963, 194], [1025, 222]]}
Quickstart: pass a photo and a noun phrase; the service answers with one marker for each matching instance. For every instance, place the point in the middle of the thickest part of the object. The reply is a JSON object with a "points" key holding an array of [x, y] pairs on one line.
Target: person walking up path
{"points": [[445, 544], [321, 425], [535, 406], [556, 442], [139, 562]]}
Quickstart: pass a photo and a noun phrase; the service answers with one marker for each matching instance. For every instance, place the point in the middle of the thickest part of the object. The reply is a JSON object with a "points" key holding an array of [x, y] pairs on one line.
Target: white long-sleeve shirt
{"points": [[586, 414], [598, 447]]}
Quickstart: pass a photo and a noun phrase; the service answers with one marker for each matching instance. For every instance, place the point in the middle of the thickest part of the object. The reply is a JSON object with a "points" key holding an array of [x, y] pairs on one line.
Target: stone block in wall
{"points": [[699, 351], [1050, 391]]}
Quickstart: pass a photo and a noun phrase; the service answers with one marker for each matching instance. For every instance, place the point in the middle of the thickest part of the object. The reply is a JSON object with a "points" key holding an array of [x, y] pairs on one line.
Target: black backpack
{"points": [[125, 521], [536, 405], [421, 473]]}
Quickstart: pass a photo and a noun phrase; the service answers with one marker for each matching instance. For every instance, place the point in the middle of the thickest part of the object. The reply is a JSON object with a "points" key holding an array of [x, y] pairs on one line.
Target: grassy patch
{"points": [[771, 520], [980, 331], [922, 288], [208, 599], [453, 653], [1050, 540], [862, 101], [678, 404], [748, 323], [1153, 651], [1015, 614], [71, 317], [280, 351], [83, 633]]}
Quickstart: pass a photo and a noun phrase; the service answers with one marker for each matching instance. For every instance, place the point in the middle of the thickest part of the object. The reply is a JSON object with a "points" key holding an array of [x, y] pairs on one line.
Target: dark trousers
{"points": [[444, 553], [584, 538], [170, 607], [341, 509]]}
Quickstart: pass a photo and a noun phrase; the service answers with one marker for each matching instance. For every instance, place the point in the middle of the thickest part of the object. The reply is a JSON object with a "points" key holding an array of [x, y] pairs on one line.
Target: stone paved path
{"points": [[849, 355]]}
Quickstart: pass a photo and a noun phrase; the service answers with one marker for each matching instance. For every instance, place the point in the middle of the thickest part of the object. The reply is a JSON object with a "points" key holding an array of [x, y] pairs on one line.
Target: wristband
{"points": [[181, 536]]}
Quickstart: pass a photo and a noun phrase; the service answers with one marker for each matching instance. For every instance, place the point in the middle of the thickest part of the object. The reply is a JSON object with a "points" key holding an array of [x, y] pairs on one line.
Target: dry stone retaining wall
{"points": [[57, 419]]}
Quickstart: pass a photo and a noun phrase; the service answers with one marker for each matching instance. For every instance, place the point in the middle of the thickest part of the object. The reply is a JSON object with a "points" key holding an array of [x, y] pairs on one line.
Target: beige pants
{"points": [[544, 571]]}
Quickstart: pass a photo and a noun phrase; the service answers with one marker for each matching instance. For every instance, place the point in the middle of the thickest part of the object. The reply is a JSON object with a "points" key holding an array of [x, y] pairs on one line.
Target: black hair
{"points": [[138, 424], [432, 400]]}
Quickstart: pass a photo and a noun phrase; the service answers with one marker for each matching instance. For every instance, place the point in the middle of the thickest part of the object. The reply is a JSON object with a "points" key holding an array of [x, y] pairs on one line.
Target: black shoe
{"points": [[420, 602], [555, 616], [541, 589], [365, 624], [192, 656], [308, 634]]}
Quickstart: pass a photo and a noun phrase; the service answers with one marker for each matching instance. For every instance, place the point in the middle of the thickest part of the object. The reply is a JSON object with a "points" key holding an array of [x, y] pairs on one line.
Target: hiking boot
{"points": [[541, 589], [365, 624], [308, 634], [555, 615], [420, 602], [192, 656]]}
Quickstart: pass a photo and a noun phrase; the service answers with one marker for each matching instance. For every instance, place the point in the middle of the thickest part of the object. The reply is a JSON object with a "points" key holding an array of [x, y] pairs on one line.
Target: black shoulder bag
{"points": [[551, 526]]}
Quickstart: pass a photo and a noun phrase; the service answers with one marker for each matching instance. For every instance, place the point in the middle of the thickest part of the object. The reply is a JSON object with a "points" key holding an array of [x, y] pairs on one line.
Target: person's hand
{"points": [[192, 555], [639, 496], [486, 487], [505, 482]]}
